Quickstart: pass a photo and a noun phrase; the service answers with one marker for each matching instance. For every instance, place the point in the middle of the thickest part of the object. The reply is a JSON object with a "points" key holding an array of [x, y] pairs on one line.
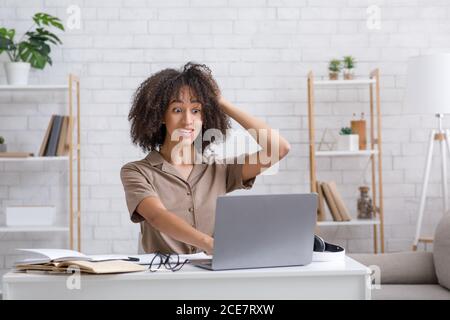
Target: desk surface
{"points": [[342, 279], [346, 267]]}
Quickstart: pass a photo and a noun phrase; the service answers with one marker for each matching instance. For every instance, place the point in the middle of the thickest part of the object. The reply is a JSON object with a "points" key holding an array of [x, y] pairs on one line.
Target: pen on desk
{"points": [[133, 259]]}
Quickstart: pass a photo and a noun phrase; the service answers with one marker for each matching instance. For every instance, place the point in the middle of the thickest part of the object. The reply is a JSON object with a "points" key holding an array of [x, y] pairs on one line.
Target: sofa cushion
{"points": [[401, 267], [411, 292], [441, 251]]}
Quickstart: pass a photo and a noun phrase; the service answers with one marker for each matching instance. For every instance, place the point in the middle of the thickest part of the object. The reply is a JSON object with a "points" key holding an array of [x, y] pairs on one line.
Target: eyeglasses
{"points": [[169, 261]]}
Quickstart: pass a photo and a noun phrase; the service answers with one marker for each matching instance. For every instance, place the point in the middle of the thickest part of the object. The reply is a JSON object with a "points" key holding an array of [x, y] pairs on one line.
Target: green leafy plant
{"points": [[349, 62], [2, 140], [345, 131], [335, 65], [34, 46]]}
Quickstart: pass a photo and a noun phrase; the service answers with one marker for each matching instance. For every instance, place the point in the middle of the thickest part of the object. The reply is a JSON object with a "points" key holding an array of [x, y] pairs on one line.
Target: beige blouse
{"points": [[193, 200]]}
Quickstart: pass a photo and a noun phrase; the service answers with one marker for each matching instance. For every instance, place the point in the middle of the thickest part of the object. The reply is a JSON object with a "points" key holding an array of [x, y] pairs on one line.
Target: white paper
{"points": [[196, 256], [107, 257], [145, 259]]}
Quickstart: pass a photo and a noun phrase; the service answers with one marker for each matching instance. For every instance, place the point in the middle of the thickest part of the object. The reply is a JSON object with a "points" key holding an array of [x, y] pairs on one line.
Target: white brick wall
{"points": [[260, 52]]}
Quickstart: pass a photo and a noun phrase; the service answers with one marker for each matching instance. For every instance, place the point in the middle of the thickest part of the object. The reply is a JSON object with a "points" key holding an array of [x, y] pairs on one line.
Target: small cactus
{"points": [[345, 131], [2, 140]]}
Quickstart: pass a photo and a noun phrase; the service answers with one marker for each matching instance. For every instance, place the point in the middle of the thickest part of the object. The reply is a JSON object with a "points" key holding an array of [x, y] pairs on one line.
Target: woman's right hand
{"points": [[209, 246]]}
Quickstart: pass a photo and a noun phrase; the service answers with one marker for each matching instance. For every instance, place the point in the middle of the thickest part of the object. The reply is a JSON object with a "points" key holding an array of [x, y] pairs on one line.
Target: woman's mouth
{"points": [[186, 132]]}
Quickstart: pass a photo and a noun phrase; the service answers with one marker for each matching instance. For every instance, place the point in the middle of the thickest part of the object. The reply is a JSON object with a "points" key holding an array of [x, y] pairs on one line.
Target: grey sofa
{"points": [[414, 275]]}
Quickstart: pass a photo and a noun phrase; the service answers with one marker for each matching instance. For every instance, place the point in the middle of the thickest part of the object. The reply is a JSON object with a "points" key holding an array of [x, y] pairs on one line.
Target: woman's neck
{"points": [[178, 154]]}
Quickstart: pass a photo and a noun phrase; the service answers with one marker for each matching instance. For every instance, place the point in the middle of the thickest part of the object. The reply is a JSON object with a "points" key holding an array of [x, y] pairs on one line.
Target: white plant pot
{"points": [[349, 74], [3, 147], [17, 72], [348, 142]]}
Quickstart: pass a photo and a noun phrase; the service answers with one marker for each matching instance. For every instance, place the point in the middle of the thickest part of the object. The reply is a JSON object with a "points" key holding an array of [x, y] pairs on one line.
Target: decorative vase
{"points": [[349, 74], [348, 142], [334, 75], [364, 206], [3, 147], [17, 72], [359, 128]]}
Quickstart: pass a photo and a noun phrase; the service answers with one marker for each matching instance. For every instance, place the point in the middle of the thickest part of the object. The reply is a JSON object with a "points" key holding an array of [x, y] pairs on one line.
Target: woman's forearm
{"points": [[180, 230], [264, 135]]}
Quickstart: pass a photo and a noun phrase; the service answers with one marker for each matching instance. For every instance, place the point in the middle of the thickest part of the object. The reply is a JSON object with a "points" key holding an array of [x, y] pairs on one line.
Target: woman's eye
{"points": [[177, 109], [196, 111]]}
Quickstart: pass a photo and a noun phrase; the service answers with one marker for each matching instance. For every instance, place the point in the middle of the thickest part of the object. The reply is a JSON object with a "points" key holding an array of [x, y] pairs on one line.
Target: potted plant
{"points": [[2, 144], [349, 66], [334, 68], [347, 141], [32, 49]]}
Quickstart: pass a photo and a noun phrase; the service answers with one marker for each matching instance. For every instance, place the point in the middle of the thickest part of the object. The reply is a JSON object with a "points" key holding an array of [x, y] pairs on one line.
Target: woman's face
{"points": [[183, 117]]}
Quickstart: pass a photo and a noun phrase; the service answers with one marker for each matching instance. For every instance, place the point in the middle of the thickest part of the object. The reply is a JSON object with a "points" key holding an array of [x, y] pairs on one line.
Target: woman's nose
{"points": [[188, 118]]}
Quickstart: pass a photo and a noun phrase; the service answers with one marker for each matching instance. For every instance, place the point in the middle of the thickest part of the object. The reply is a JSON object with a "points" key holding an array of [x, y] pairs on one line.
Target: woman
{"points": [[173, 191]]}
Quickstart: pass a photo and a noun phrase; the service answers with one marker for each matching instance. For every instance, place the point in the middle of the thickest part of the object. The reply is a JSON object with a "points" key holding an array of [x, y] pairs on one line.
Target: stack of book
{"points": [[63, 261], [329, 194], [57, 137]]}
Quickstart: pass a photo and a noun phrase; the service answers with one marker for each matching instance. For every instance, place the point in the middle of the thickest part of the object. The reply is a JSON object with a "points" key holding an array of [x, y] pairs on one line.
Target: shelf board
{"points": [[354, 222], [350, 83], [64, 158], [360, 153], [37, 87], [34, 229]]}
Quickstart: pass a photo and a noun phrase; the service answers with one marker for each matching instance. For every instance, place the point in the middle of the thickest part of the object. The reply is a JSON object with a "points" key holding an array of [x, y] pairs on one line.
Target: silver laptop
{"points": [[258, 231]]}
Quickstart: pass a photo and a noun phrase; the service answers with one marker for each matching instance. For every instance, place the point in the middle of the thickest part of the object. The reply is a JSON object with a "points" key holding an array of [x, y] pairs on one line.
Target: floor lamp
{"points": [[428, 92]]}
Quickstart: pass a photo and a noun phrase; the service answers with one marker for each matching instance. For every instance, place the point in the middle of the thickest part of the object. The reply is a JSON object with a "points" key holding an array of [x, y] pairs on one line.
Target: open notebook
{"points": [[60, 260], [101, 267], [58, 255]]}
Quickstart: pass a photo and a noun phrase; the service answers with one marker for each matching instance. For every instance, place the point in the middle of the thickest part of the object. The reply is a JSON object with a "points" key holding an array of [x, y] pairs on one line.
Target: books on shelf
{"points": [[330, 202], [321, 216], [328, 191], [59, 260], [56, 138], [62, 146], [342, 209]]}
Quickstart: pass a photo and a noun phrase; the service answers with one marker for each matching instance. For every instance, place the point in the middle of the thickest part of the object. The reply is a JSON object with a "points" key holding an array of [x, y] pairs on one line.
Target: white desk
{"points": [[346, 279]]}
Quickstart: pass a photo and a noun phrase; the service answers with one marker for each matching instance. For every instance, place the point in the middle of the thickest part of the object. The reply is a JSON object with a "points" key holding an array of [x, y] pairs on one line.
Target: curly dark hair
{"points": [[153, 96]]}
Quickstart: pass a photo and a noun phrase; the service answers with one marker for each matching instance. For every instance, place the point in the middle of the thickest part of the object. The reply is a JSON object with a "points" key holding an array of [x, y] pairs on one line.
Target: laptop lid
{"points": [[256, 231]]}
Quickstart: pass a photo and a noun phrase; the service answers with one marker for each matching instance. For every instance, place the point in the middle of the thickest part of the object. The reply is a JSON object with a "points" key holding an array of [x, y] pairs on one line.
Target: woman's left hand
{"points": [[223, 103]]}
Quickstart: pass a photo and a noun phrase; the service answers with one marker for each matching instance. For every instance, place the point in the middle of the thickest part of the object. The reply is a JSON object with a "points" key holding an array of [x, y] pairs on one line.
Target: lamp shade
{"points": [[428, 84]]}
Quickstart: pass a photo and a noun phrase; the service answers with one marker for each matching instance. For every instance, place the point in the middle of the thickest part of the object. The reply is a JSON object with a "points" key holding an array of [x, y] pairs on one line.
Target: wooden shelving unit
{"points": [[375, 151], [73, 88]]}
